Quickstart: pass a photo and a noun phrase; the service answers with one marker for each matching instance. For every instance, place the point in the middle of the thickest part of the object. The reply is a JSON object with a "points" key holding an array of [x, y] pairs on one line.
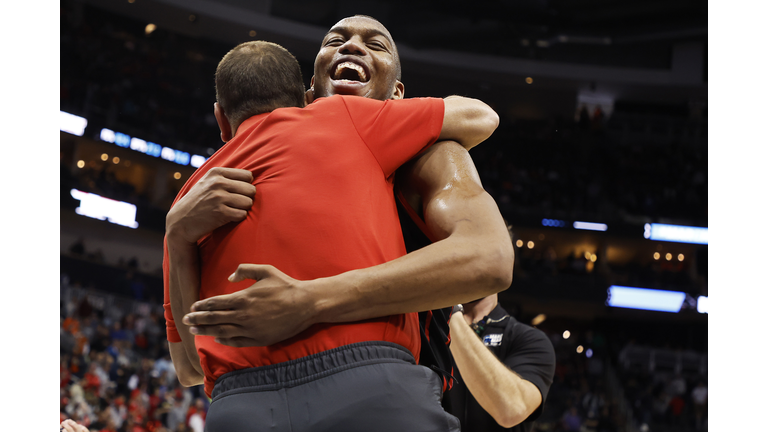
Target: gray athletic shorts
{"points": [[366, 387]]}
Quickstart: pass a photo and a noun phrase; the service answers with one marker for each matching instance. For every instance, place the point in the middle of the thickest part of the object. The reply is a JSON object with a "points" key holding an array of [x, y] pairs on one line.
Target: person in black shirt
{"points": [[502, 387]]}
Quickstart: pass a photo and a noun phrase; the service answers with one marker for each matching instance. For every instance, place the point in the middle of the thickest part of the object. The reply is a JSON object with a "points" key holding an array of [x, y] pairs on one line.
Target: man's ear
{"points": [[399, 92], [221, 119], [309, 95]]}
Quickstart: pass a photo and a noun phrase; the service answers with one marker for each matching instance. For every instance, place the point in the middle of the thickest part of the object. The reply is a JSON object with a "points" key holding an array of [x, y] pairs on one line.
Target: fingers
{"points": [[70, 426], [232, 180], [232, 173], [238, 201], [232, 214], [240, 187], [224, 331], [218, 303], [205, 318], [251, 271]]}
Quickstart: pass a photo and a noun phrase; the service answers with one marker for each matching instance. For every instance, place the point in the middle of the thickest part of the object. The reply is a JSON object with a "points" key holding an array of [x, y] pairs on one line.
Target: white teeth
{"points": [[349, 65]]}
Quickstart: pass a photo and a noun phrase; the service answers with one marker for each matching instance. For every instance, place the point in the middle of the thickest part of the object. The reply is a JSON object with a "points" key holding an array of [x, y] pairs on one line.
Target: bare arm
{"points": [[473, 259], [467, 121], [223, 195], [507, 397], [184, 290]]}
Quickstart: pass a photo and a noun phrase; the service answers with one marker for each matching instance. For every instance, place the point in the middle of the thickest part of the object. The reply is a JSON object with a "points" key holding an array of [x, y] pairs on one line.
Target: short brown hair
{"points": [[257, 77]]}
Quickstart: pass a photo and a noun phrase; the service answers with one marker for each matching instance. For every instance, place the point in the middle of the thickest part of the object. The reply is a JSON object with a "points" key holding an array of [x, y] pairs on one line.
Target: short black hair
{"points": [[257, 77]]}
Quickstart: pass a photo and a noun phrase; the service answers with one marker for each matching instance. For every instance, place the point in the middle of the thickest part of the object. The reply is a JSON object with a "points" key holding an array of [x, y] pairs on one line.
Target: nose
{"points": [[353, 46]]}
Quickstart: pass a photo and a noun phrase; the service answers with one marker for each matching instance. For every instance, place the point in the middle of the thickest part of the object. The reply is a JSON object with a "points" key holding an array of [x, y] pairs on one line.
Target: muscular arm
{"points": [[472, 259], [507, 397]]}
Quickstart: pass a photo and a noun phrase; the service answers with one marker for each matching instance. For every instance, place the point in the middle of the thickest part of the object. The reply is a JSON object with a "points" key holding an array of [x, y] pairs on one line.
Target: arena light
{"points": [[553, 222], [150, 148], [645, 299], [592, 226], [72, 124], [98, 207], [676, 233], [177, 156], [702, 304], [196, 161]]}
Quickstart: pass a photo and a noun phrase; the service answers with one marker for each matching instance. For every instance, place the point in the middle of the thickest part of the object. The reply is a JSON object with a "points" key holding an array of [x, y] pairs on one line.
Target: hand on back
{"points": [[273, 309], [222, 195]]}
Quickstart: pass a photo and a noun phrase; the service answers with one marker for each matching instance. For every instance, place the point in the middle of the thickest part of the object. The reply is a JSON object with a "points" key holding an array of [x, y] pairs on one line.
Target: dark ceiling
{"points": [[635, 33], [645, 51]]}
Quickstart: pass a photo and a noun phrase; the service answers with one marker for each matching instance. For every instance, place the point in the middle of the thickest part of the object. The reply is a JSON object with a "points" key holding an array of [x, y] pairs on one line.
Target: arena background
{"points": [[604, 119]]}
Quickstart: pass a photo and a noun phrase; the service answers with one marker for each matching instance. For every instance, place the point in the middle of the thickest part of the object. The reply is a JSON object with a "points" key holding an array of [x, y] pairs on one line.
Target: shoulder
{"points": [[522, 337]]}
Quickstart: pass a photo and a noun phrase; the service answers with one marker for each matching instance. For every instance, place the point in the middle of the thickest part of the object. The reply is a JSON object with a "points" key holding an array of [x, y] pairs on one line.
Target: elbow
{"points": [[480, 125], [498, 266], [508, 421], [493, 120], [488, 121], [190, 378], [512, 415]]}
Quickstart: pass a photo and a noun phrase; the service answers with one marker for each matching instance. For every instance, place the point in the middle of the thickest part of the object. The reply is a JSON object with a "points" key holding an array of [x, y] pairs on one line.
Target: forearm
{"points": [[501, 392], [184, 278], [185, 372], [458, 269]]}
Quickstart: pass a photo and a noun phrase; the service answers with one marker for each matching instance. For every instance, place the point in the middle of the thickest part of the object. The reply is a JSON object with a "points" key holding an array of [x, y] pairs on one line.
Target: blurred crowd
{"points": [[666, 401], [116, 372], [117, 376]]}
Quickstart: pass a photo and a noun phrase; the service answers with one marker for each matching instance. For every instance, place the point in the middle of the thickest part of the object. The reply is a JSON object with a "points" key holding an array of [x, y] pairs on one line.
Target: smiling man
{"points": [[355, 50]]}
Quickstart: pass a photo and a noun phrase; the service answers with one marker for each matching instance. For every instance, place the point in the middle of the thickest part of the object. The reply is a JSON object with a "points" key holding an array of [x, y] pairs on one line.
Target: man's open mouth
{"points": [[350, 72]]}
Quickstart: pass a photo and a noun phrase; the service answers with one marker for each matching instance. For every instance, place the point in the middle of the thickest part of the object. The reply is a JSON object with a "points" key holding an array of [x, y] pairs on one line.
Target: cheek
{"points": [[322, 61]]}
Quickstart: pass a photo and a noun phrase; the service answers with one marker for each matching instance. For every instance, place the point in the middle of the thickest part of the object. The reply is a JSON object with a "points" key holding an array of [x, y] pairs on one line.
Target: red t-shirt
{"points": [[324, 205]]}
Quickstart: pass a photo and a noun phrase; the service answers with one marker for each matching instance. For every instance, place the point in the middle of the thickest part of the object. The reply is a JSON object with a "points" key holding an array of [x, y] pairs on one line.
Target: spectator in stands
{"points": [[699, 397], [571, 420], [661, 406]]}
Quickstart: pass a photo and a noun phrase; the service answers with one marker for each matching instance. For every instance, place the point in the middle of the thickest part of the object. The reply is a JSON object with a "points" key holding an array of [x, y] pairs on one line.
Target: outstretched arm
{"points": [[472, 259]]}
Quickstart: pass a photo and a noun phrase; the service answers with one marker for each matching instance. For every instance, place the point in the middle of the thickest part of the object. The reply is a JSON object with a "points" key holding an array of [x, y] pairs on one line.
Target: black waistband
{"points": [[305, 369]]}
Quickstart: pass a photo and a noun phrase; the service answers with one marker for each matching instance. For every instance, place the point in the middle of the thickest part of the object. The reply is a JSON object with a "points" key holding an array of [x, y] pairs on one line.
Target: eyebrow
{"points": [[366, 32]]}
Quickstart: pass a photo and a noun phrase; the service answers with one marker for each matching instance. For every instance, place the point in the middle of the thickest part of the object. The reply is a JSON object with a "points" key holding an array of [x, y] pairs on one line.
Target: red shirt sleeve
{"points": [[172, 334], [396, 130]]}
